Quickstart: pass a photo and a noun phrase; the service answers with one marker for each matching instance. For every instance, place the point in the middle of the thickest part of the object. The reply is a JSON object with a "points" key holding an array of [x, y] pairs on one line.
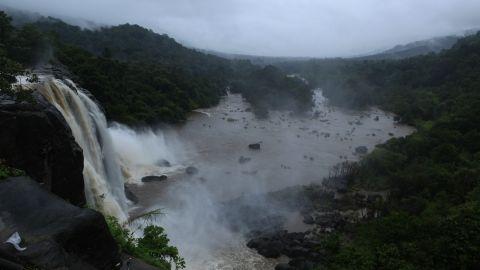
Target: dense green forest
{"points": [[141, 77], [431, 219], [17, 48], [268, 88]]}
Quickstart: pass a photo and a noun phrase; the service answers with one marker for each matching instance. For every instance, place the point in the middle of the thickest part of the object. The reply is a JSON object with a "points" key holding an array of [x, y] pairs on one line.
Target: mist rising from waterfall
{"points": [[147, 151], [104, 188]]}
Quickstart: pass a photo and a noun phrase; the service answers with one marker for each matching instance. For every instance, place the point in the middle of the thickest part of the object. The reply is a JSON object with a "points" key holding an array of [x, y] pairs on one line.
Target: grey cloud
{"points": [[321, 28]]}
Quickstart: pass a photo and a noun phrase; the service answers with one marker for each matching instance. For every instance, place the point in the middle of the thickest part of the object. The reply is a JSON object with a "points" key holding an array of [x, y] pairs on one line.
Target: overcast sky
{"points": [[320, 28]]}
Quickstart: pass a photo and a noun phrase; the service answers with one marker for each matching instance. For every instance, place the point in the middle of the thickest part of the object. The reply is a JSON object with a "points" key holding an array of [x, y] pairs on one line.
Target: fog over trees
{"points": [[278, 28]]}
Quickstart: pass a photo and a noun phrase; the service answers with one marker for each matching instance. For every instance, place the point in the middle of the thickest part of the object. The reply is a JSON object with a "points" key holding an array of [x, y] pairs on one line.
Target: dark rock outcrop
{"points": [[36, 139], [57, 235]]}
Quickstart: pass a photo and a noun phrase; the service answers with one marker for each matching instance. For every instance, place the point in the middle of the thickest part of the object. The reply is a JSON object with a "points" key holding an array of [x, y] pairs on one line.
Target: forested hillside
{"points": [[431, 219], [141, 77]]}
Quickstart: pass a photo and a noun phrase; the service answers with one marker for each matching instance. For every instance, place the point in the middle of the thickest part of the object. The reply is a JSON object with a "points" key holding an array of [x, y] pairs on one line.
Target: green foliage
{"points": [[431, 219], [142, 77], [7, 171], [18, 48], [153, 247], [8, 67], [268, 88]]}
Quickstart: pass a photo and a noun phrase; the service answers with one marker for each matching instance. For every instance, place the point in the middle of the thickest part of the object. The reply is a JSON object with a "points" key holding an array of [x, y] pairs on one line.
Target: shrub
{"points": [[153, 247]]}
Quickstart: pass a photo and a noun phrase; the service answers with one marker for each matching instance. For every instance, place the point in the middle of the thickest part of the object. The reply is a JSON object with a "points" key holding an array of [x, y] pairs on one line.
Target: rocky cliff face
{"points": [[34, 137], [56, 234]]}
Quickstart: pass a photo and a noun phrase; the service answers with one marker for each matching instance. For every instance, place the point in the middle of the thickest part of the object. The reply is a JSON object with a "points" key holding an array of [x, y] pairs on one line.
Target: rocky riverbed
{"points": [[213, 213]]}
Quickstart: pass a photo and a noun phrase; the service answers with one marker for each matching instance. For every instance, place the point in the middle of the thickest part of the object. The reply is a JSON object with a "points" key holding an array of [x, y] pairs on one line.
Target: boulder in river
{"points": [[308, 219], [254, 146], [191, 170], [362, 150], [56, 234], [154, 178], [243, 160], [163, 163]]}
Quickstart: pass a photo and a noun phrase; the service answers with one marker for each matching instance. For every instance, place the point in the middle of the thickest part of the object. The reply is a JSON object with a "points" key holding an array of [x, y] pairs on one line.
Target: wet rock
{"points": [[265, 247], [130, 195], [293, 245], [254, 146], [362, 150], [283, 266], [374, 198], [163, 163], [339, 184], [135, 264], [191, 170], [376, 118], [243, 160], [330, 220], [154, 178], [308, 219], [302, 264], [57, 235], [35, 138]]}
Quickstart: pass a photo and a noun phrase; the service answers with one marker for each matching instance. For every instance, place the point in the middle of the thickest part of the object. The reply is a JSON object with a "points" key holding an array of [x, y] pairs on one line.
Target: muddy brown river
{"points": [[293, 151]]}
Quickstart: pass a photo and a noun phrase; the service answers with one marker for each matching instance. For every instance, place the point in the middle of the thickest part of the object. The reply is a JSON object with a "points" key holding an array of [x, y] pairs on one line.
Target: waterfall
{"points": [[104, 185]]}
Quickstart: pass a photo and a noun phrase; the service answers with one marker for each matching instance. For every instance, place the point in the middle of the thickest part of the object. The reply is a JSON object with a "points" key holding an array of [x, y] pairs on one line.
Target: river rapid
{"points": [[295, 150]]}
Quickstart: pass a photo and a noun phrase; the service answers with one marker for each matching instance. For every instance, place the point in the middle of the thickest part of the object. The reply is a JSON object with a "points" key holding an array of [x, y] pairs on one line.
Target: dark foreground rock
{"points": [[35, 138], [57, 235]]}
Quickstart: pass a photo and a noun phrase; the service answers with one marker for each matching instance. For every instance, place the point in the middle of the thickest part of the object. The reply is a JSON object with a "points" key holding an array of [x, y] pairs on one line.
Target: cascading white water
{"points": [[104, 187]]}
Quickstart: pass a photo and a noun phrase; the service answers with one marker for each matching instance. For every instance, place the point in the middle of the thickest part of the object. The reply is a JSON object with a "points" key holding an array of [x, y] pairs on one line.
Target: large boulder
{"points": [[35, 138], [56, 234], [254, 146], [191, 170], [154, 178]]}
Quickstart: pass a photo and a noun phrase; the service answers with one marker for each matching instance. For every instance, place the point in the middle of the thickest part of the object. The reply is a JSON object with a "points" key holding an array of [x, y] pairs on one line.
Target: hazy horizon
{"points": [[303, 28]]}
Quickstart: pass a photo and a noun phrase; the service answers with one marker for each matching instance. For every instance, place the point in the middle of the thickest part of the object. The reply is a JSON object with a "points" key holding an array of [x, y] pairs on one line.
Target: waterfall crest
{"points": [[104, 185]]}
